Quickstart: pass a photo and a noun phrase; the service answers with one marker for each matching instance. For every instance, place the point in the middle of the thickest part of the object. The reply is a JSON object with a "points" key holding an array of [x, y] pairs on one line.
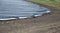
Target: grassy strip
{"points": [[54, 3]]}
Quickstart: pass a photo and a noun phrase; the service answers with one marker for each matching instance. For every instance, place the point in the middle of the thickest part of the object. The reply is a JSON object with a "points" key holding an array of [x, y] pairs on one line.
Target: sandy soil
{"points": [[49, 23]]}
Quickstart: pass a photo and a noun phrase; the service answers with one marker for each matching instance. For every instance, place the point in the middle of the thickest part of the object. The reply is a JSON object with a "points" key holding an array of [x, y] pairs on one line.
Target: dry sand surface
{"points": [[49, 23]]}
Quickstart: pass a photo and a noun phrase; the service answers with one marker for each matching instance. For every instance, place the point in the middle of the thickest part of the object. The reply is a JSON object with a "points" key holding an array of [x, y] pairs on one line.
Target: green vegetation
{"points": [[54, 3]]}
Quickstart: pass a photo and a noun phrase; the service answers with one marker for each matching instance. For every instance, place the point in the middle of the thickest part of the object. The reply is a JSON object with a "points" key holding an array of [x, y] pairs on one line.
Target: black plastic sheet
{"points": [[12, 9]]}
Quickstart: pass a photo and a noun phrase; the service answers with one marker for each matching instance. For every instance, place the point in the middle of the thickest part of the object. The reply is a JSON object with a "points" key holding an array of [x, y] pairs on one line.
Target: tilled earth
{"points": [[49, 23]]}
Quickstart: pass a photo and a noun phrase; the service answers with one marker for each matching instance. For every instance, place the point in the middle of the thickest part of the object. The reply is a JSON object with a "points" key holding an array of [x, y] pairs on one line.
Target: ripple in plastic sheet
{"points": [[12, 9]]}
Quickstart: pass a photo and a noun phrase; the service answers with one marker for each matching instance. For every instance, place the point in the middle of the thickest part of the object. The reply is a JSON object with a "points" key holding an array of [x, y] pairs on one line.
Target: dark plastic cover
{"points": [[12, 9]]}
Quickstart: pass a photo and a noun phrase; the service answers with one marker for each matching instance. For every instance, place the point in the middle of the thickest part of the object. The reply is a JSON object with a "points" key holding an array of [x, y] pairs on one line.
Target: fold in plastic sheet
{"points": [[12, 9]]}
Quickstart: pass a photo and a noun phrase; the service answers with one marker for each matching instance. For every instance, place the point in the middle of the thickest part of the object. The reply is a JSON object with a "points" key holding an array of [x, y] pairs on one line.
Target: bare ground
{"points": [[49, 23]]}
